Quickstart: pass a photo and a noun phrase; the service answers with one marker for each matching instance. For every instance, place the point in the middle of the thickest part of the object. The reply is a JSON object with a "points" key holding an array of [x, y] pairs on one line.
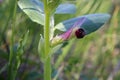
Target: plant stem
{"points": [[11, 56], [47, 69], [47, 63]]}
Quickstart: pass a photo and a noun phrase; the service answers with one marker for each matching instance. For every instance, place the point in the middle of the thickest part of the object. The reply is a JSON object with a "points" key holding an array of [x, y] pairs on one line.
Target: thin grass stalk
{"points": [[11, 74]]}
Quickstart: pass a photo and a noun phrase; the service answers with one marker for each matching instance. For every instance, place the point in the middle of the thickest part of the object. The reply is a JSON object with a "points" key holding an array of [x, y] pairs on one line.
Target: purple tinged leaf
{"points": [[74, 31], [79, 27], [91, 22]]}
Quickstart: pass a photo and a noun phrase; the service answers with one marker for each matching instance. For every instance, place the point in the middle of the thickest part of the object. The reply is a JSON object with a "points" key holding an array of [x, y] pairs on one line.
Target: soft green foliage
{"points": [[89, 23], [41, 48], [53, 4], [20, 48], [34, 9], [95, 57]]}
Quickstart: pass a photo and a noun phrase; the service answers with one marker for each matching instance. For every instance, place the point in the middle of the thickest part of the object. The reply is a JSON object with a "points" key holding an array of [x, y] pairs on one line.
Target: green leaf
{"points": [[25, 38], [23, 42], [52, 5], [55, 49], [41, 49], [34, 10], [89, 23], [20, 48], [66, 8]]}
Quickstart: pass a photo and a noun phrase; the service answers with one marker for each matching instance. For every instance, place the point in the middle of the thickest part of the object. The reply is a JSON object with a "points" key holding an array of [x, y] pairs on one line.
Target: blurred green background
{"points": [[95, 57]]}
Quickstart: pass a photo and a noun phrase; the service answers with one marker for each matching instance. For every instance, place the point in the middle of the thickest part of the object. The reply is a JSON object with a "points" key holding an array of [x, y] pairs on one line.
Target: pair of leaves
{"points": [[35, 9]]}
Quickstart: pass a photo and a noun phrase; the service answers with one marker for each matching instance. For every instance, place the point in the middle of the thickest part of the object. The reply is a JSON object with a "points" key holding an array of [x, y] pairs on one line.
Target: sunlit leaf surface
{"points": [[34, 9]]}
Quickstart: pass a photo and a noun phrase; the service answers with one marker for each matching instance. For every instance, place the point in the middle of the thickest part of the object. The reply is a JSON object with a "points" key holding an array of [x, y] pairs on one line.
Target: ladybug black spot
{"points": [[80, 33]]}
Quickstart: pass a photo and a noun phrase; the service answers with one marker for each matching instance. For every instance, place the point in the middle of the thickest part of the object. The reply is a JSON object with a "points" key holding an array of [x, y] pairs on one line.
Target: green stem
{"points": [[11, 56], [47, 63], [47, 69]]}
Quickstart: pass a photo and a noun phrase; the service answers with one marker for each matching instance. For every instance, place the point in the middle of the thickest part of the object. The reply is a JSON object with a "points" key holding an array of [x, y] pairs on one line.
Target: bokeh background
{"points": [[95, 57]]}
